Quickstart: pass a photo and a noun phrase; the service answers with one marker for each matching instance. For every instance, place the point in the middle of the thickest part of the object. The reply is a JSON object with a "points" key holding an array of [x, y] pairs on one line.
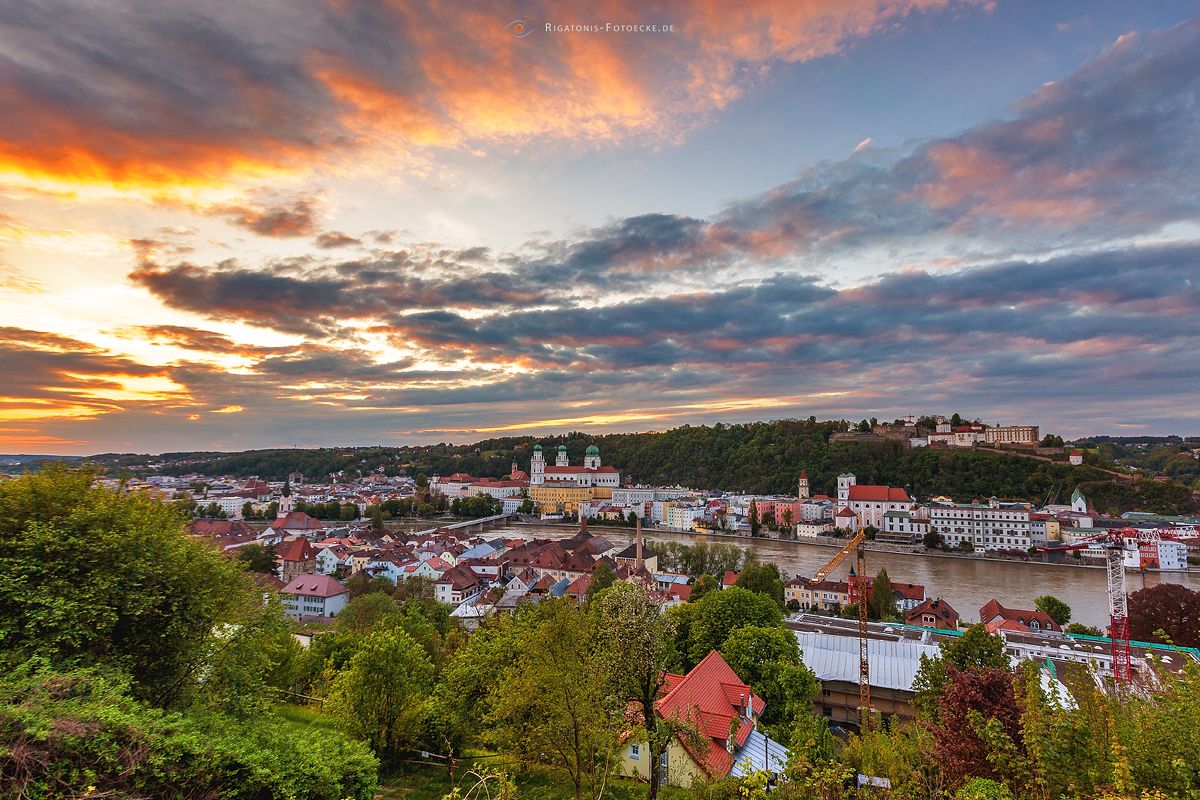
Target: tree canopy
{"points": [[97, 577]]}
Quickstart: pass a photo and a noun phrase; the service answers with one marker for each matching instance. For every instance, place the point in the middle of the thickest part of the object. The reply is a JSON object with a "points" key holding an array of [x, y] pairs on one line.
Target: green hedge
{"points": [[68, 735]]}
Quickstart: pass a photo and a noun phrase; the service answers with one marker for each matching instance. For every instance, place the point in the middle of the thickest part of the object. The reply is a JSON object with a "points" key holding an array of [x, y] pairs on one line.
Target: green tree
{"points": [[755, 522], [95, 577], [363, 613], [602, 578], [380, 696], [882, 604], [377, 518], [255, 557], [764, 579], [348, 512], [703, 585], [768, 659], [81, 734], [718, 614], [983, 789], [247, 665], [465, 693], [1057, 610], [634, 642], [552, 705]]}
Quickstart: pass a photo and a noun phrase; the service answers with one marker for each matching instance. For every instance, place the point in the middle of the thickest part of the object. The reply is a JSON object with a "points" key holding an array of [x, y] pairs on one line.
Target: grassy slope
{"points": [[417, 782]]}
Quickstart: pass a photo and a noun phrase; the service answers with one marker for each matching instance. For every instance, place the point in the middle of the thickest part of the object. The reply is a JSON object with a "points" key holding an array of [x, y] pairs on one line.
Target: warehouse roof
{"points": [[894, 665]]}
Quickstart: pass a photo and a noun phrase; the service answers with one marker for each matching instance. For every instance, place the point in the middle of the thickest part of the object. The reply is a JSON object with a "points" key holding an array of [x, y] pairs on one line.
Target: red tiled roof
{"points": [[459, 578], [909, 591], [992, 609], [879, 494], [314, 585], [297, 520], [938, 607], [713, 697], [297, 549]]}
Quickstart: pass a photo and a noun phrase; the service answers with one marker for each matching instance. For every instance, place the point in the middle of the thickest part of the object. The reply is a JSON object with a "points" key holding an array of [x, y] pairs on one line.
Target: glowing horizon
{"points": [[383, 222]]}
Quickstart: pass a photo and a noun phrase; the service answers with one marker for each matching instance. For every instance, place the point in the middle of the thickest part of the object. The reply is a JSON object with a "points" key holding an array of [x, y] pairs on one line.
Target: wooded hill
{"points": [[761, 457]]}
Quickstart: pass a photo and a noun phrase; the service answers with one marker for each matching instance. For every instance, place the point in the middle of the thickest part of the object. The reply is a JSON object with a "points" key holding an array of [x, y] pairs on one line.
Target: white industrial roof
{"points": [[894, 664], [760, 752]]}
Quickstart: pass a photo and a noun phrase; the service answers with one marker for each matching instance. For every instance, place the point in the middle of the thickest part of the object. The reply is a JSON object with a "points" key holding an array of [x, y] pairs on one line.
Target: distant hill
{"points": [[763, 457], [10, 460]]}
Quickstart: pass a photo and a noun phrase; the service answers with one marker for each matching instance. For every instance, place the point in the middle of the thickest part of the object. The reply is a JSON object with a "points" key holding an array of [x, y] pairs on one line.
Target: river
{"points": [[966, 583]]}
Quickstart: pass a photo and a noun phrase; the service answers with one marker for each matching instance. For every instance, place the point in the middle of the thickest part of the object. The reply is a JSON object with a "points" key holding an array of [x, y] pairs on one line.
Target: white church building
{"points": [[561, 473]]}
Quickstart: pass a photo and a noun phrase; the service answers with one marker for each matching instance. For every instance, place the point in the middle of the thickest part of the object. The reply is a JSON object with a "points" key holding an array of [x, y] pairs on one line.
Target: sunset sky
{"points": [[236, 225]]}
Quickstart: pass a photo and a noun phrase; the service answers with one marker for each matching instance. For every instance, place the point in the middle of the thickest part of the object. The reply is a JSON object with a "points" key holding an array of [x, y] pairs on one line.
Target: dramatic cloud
{"points": [[126, 94], [1039, 266]]}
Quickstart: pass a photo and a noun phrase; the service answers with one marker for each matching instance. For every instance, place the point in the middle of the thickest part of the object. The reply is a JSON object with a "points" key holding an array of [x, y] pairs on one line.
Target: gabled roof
{"points": [[459, 578], [713, 698], [314, 586], [297, 521], [992, 610], [938, 607], [297, 549]]}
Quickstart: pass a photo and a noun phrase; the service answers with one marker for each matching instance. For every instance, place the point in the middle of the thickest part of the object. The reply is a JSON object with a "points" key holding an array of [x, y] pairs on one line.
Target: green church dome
{"points": [[593, 450], [537, 447]]}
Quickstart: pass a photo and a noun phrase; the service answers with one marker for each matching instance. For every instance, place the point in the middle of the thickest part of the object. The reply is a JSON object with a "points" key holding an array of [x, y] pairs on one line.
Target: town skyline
{"points": [[347, 225]]}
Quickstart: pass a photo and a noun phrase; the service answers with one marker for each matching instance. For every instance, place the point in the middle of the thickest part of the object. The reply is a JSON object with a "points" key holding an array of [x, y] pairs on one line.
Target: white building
{"points": [[592, 473], [680, 517], [232, 505], [911, 524], [1011, 434], [810, 529], [870, 503], [313, 596], [986, 527]]}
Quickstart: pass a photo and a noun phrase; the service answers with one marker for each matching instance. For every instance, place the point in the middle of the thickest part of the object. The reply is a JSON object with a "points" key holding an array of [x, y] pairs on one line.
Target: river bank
{"points": [[835, 543], [966, 583]]}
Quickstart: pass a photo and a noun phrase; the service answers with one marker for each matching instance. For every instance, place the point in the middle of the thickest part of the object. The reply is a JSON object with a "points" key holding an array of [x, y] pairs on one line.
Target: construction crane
{"points": [[1113, 544], [859, 596]]}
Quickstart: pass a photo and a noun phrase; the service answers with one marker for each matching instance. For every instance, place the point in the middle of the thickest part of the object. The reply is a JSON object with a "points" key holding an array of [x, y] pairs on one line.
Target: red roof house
{"points": [[996, 617], [723, 709]]}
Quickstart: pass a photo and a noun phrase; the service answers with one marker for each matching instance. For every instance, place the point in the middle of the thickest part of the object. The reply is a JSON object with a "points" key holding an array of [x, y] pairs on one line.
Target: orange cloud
{"points": [[152, 105]]}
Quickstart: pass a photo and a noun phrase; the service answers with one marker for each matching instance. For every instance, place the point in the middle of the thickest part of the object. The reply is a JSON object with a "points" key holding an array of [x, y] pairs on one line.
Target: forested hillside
{"points": [[756, 457]]}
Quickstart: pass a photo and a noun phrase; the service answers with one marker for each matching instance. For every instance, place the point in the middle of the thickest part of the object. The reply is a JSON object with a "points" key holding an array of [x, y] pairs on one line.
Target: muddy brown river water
{"points": [[966, 583]]}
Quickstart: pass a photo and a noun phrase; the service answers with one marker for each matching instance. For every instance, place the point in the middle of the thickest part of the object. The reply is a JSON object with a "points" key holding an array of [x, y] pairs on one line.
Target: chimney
{"points": [[638, 556]]}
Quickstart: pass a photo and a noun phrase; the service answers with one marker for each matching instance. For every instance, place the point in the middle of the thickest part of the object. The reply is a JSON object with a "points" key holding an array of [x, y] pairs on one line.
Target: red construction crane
{"points": [[858, 593], [1113, 544]]}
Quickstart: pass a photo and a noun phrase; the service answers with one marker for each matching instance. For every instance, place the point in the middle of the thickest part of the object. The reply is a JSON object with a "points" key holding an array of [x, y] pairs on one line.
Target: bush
{"points": [[94, 577], [77, 734]]}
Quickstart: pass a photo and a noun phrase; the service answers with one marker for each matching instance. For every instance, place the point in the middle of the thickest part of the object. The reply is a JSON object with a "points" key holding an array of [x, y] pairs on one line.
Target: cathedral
{"points": [[561, 473]]}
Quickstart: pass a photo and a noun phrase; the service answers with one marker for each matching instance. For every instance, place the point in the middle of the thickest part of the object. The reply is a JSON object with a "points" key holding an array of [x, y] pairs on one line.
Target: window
{"points": [[635, 751]]}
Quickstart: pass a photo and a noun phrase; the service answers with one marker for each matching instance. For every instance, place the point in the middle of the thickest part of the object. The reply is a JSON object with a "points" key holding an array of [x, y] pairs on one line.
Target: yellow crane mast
{"points": [[856, 546]]}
